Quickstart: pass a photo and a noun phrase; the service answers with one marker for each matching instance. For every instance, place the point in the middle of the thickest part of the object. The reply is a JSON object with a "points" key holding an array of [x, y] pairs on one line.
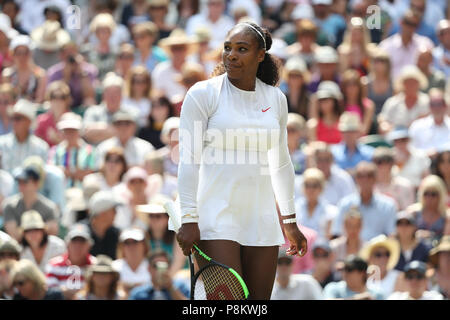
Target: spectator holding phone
{"points": [[161, 286]]}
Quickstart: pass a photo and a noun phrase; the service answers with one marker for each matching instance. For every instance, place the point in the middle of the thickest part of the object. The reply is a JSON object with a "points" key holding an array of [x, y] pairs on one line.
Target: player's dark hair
{"points": [[268, 69]]}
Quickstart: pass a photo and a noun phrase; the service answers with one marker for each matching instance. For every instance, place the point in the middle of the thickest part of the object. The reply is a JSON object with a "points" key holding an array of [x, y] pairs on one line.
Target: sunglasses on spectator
{"points": [[437, 104], [58, 97], [412, 276], [384, 160], [410, 23], [365, 175], [404, 222], [113, 159], [130, 242], [157, 216], [18, 118], [126, 56], [139, 80], [19, 283], [433, 194], [382, 254], [312, 185], [321, 255]]}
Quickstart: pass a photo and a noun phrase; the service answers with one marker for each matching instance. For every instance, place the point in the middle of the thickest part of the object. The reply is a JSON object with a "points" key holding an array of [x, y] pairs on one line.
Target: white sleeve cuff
{"points": [[189, 219], [287, 208]]}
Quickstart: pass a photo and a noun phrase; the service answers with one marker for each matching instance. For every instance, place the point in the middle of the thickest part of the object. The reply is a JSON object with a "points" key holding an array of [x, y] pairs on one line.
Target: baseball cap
{"points": [[123, 115], [25, 108], [79, 231], [31, 219], [27, 173], [398, 133], [349, 121], [134, 234], [135, 173], [405, 215], [69, 120], [417, 266], [326, 54], [101, 201]]}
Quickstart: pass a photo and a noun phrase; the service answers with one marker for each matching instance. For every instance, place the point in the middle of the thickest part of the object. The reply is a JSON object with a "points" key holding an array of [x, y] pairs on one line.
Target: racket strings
{"points": [[218, 283]]}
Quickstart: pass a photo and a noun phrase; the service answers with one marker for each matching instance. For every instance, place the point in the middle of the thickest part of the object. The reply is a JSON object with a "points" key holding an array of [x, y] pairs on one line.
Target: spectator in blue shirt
{"points": [[349, 152], [331, 24], [378, 211], [353, 287], [162, 286]]}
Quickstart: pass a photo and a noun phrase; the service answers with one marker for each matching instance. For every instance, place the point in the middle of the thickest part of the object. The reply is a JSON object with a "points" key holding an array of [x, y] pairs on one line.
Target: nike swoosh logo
{"points": [[264, 110]]}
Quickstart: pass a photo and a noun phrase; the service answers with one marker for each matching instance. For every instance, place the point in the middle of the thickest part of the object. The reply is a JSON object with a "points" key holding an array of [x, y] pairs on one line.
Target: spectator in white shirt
{"points": [[290, 286], [338, 182], [416, 283], [441, 53], [214, 19], [389, 184], [408, 104], [165, 75], [433, 132], [413, 164], [132, 264], [135, 148], [20, 144]]}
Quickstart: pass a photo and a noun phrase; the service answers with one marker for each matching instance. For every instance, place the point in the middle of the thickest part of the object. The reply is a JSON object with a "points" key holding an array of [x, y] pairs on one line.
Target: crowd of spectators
{"points": [[90, 99]]}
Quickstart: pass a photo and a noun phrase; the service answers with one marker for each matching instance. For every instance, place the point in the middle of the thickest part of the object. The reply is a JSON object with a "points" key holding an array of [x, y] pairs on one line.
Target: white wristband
{"points": [[291, 220]]}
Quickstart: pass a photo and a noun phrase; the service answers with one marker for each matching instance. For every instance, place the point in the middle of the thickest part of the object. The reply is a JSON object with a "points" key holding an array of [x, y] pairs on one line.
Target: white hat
{"points": [[133, 233], [102, 201], [79, 230], [302, 11], [325, 2], [278, 48], [328, 89], [111, 79], [349, 121], [21, 40], [135, 173], [411, 72], [326, 54], [169, 124], [50, 36], [69, 120], [31, 219], [25, 108]]}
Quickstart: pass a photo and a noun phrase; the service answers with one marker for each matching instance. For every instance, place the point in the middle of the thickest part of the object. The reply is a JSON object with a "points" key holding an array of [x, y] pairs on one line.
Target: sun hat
{"points": [[135, 173], [349, 121], [103, 264], [155, 206], [397, 134], [102, 20], [326, 54], [328, 89], [24, 107], [443, 246], [382, 241], [123, 115], [50, 36], [411, 72], [102, 201], [133, 234], [31, 219], [112, 80], [297, 65], [21, 40], [70, 120], [10, 246], [202, 34], [177, 37]]}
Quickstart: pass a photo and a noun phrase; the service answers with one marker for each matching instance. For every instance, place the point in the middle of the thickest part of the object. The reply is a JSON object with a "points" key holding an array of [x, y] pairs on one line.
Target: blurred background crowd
{"points": [[90, 98]]}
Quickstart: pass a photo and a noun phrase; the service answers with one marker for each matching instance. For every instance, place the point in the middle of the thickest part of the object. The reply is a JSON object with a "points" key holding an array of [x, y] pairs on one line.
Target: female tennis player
{"points": [[235, 164]]}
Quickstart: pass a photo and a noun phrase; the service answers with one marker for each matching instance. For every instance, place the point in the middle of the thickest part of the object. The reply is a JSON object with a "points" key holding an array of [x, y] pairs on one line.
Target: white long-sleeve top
{"points": [[234, 162]]}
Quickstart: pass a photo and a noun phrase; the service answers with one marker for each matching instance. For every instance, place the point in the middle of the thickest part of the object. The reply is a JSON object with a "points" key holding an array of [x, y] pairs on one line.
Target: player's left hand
{"points": [[298, 242]]}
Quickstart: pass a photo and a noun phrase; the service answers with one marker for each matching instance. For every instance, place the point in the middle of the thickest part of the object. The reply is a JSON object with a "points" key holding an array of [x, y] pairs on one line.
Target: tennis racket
{"points": [[214, 281]]}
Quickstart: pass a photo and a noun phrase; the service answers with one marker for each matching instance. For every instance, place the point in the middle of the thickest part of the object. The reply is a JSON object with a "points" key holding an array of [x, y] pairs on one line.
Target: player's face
{"points": [[241, 54]]}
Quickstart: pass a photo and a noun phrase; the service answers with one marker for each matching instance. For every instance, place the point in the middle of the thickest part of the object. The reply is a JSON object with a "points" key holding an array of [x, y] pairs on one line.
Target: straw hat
{"points": [[31, 219], [382, 241], [177, 37], [411, 72], [50, 36], [443, 246], [103, 264]]}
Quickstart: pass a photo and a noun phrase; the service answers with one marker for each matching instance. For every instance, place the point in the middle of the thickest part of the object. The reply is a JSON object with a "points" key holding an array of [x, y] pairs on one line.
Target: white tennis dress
{"points": [[234, 162]]}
